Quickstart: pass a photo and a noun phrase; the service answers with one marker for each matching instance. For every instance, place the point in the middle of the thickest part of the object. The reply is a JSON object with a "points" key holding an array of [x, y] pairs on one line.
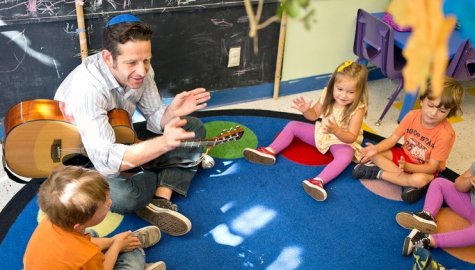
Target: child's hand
{"points": [[330, 126], [301, 105], [401, 163], [126, 241], [368, 152]]}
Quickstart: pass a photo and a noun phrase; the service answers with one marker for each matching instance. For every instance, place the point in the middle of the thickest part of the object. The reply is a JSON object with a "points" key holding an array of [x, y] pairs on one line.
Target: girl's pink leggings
{"points": [[342, 153]]}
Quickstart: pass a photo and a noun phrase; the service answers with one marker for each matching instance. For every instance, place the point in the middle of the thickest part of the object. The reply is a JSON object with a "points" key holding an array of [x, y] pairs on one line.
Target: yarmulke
{"points": [[123, 18]]}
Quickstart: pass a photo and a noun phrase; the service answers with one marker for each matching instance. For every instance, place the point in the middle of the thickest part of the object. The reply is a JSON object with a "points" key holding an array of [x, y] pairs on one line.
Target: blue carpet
{"points": [[248, 216]]}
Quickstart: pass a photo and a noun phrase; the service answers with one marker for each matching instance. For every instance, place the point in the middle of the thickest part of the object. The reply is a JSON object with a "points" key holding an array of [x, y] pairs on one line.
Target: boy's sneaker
{"points": [[156, 266], [413, 240], [91, 232], [366, 171], [314, 188], [148, 236], [260, 155], [164, 215], [421, 221], [423, 260], [412, 194]]}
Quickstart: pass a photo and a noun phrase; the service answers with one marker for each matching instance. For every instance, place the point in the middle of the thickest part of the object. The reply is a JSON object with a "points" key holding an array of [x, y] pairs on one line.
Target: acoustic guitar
{"points": [[40, 135]]}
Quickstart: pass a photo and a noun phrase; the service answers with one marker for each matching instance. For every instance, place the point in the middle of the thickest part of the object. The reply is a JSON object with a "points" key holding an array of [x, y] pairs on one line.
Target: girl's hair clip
{"points": [[344, 65]]}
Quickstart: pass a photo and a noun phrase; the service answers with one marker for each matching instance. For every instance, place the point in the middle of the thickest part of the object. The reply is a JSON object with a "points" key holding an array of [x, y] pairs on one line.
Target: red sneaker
{"points": [[315, 189], [259, 155]]}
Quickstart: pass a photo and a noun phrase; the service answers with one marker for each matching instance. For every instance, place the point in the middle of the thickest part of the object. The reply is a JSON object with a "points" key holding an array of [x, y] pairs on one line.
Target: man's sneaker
{"points": [[314, 188], [412, 194], [413, 240], [366, 171], [161, 213], [156, 266], [260, 155], [421, 221], [148, 236], [423, 260]]}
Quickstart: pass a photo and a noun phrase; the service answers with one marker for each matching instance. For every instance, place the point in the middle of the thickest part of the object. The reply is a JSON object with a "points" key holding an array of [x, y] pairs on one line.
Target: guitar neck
{"points": [[198, 143], [226, 136]]}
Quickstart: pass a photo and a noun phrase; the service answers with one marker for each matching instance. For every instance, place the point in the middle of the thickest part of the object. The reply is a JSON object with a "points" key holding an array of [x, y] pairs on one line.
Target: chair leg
{"points": [[390, 102], [362, 61], [408, 104]]}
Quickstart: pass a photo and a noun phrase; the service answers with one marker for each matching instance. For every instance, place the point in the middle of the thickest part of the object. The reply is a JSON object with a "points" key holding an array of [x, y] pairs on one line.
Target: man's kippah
{"points": [[123, 18]]}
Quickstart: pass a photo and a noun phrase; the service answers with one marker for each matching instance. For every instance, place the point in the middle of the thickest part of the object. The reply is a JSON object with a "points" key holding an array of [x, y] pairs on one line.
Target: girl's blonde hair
{"points": [[71, 195], [353, 70]]}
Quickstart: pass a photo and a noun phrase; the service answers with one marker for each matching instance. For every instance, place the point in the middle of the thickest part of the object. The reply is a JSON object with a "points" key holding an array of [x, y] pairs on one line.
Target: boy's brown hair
{"points": [[71, 195], [451, 97]]}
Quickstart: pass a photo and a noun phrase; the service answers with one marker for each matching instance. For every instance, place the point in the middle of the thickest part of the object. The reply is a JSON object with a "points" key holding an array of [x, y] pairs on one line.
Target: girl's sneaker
{"points": [[415, 239], [314, 188], [421, 221], [260, 155]]}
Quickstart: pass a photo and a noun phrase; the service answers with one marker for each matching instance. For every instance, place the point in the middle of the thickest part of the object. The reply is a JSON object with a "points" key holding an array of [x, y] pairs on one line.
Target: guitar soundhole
{"points": [[56, 151], [77, 160]]}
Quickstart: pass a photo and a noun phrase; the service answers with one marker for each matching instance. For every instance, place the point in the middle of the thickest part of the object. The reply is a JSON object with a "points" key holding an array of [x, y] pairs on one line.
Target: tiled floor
{"points": [[461, 157]]}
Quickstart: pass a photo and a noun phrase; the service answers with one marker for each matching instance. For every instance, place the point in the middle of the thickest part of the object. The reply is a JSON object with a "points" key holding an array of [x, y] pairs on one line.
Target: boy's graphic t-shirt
{"points": [[422, 144]]}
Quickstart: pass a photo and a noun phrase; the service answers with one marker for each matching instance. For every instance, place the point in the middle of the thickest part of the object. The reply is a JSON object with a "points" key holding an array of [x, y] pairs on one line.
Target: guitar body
{"points": [[120, 122], [39, 134], [27, 148]]}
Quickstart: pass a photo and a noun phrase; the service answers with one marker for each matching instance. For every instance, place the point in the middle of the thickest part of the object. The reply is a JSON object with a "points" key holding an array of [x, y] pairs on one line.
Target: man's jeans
{"points": [[174, 169]]}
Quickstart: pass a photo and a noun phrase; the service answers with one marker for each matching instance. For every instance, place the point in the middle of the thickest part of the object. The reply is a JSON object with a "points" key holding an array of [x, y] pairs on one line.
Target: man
{"points": [[120, 76]]}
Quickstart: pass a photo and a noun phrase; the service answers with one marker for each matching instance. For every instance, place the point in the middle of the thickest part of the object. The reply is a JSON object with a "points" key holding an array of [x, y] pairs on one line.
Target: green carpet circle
{"points": [[232, 149]]}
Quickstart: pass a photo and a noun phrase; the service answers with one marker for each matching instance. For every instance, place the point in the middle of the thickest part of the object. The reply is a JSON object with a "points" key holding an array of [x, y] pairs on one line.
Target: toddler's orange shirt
{"points": [[422, 144], [51, 247]]}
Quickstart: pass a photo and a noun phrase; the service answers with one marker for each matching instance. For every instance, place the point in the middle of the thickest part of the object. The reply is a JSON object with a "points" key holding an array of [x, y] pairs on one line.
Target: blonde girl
{"points": [[341, 107]]}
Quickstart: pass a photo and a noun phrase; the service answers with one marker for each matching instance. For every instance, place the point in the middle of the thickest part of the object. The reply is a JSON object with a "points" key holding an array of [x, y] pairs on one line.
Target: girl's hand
{"points": [[330, 126], [368, 152], [301, 105]]}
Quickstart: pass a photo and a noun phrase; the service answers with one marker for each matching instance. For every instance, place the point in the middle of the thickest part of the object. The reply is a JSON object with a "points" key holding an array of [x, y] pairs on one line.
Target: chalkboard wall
{"points": [[39, 44]]}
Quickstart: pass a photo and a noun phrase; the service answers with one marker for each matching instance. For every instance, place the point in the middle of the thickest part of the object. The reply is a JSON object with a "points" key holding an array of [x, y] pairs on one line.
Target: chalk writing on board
{"points": [[19, 39], [35, 10], [191, 44]]}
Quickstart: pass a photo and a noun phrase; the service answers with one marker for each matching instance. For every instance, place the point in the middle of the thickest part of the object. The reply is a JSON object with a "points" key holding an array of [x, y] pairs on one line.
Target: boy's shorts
{"points": [[398, 152]]}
